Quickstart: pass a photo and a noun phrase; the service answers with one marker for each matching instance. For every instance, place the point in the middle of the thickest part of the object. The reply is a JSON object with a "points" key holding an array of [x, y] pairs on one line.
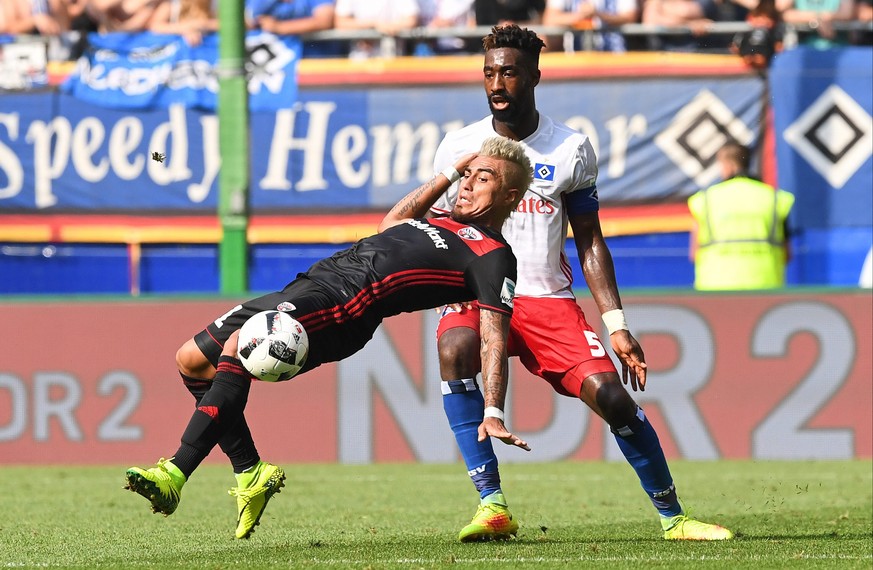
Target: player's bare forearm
{"points": [[599, 271], [417, 203], [596, 261], [494, 332]]}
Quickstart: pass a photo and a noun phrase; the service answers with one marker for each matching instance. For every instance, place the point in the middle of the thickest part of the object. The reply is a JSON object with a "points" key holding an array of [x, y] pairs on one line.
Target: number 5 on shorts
{"points": [[594, 343]]}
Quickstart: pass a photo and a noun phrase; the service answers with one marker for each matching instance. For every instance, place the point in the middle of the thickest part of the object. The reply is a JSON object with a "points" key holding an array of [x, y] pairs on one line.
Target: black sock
{"points": [[237, 442], [220, 409], [197, 386]]}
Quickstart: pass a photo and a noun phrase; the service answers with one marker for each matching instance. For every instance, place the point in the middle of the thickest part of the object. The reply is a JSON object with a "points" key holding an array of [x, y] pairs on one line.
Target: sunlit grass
{"points": [[573, 514]]}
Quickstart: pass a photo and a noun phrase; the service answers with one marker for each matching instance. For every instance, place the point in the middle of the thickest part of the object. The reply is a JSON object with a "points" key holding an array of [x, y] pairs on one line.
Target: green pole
{"points": [[233, 126]]}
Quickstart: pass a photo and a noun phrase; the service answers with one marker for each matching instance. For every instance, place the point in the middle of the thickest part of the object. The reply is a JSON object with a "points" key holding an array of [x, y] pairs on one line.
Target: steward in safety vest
{"points": [[740, 238]]}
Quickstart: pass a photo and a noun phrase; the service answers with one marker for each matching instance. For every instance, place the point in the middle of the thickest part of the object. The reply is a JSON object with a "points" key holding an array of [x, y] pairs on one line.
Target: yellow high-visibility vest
{"points": [[741, 235]]}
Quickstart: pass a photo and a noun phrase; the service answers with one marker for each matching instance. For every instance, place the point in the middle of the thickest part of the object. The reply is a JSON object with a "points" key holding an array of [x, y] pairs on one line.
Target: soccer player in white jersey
{"points": [[549, 332]]}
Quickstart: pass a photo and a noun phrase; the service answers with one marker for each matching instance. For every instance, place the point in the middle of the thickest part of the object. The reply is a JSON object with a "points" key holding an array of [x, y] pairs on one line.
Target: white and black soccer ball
{"points": [[273, 346]]}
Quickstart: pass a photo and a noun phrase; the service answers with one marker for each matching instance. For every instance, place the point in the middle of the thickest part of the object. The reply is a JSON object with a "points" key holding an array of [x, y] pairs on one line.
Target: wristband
{"points": [[452, 174], [614, 320], [492, 412]]}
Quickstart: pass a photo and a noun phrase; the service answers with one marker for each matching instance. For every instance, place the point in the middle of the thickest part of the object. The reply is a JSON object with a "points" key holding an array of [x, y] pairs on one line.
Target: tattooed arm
{"points": [[494, 331], [417, 203]]}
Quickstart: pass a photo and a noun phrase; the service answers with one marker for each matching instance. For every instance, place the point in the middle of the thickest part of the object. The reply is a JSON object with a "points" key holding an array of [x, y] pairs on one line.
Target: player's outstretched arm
{"points": [[599, 271], [417, 203], [494, 331]]}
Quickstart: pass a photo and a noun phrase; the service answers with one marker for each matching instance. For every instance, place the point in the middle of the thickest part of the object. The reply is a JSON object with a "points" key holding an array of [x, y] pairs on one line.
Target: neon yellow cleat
{"points": [[492, 521], [161, 484], [681, 527], [256, 486]]}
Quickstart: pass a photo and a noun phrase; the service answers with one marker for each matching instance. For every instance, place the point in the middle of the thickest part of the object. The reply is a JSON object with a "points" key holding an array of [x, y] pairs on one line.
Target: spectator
{"points": [[50, 17], [436, 14], [122, 15], [594, 14], [740, 236], [294, 18], [863, 13], [16, 17], [758, 46], [66, 23], [522, 12], [695, 15], [820, 16], [734, 10], [385, 16], [187, 18]]}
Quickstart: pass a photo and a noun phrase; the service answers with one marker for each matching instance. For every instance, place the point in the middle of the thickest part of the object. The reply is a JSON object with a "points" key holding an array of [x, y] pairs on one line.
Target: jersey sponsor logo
{"points": [[470, 234], [544, 171], [535, 206], [285, 306], [432, 233], [480, 247], [507, 292]]}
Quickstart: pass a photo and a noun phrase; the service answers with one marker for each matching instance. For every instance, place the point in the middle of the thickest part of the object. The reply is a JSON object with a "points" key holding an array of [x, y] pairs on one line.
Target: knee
{"points": [[616, 406], [459, 353], [191, 362]]}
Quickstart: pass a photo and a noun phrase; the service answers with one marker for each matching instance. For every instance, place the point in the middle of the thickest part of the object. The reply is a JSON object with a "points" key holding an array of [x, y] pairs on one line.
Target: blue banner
{"points": [[355, 148], [822, 106], [145, 71]]}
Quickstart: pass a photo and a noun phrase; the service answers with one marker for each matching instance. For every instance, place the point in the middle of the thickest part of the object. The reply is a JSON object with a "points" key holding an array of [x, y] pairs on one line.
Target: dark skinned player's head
{"points": [[512, 56], [521, 39]]}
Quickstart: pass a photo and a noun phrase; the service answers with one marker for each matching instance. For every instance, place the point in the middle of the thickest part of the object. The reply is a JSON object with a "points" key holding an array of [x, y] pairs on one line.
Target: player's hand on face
{"points": [[633, 361], [493, 427], [462, 163], [232, 345]]}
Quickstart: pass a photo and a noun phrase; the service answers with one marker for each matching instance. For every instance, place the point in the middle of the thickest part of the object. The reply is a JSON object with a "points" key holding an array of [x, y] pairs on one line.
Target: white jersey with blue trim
{"points": [[563, 161]]}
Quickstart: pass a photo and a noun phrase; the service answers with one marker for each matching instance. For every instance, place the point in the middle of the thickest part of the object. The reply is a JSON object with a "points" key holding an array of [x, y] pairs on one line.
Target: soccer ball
{"points": [[273, 346]]}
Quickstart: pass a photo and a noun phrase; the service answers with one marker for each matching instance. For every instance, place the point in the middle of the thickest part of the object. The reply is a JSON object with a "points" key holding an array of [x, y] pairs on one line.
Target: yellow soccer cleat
{"points": [[161, 485], [256, 487], [492, 521], [681, 527]]}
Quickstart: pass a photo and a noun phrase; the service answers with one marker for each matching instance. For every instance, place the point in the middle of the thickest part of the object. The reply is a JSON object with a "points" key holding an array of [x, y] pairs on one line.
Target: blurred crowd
{"points": [[684, 25]]}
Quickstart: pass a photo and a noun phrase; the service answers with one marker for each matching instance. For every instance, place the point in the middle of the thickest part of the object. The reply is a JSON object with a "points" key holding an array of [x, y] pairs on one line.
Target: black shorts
{"points": [[334, 336]]}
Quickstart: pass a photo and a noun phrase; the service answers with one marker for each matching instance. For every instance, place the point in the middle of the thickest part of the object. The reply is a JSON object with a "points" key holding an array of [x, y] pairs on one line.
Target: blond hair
{"points": [[520, 174]]}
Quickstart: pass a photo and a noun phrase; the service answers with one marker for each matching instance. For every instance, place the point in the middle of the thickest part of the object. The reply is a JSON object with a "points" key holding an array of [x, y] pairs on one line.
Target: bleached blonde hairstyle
{"points": [[520, 174]]}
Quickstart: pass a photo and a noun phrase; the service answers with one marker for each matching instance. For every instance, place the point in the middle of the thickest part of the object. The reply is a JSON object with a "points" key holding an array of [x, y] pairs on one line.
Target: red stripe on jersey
{"points": [[357, 305], [383, 289], [566, 268], [479, 245]]}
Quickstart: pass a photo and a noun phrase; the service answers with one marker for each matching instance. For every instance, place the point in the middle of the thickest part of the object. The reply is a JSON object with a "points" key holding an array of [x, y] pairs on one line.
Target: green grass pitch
{"points": [[572, 515]]}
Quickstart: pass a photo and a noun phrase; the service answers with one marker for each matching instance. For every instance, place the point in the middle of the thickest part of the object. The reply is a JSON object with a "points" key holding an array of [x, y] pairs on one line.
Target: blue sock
{"points": [[640, 445], [465, 408]]}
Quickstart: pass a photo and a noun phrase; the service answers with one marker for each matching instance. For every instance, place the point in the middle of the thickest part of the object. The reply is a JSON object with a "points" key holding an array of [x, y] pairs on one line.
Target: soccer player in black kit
{"points": [[411, 264]]}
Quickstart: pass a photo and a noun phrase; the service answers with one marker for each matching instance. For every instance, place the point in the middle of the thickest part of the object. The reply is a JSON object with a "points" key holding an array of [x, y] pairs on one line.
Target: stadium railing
{"points": [[57, 47]]}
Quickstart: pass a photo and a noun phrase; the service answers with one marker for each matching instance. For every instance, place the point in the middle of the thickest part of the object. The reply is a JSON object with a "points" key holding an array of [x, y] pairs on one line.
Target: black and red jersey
{"points": [[419, 264]]}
